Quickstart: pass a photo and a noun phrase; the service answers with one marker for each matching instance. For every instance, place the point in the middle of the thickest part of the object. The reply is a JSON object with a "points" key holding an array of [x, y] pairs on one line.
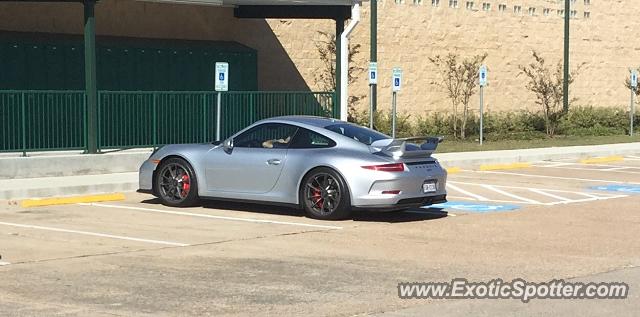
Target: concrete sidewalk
{"points": [[472, 160], [20, 188], [55, 174]]}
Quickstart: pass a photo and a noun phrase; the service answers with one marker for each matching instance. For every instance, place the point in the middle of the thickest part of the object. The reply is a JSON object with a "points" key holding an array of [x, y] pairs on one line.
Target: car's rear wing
{"points": [[407, 147]]}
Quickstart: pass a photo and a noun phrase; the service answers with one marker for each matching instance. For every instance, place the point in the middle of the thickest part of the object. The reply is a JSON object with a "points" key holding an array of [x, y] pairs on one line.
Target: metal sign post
{"points": [[396, 85], [373, 80], [632, 108], [222, 84], [483, 82]]}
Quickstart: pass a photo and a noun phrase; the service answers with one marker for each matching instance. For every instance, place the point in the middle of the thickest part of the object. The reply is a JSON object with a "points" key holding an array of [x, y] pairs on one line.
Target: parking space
{"points": [[137, 257], [135, 224], [545, 183]]}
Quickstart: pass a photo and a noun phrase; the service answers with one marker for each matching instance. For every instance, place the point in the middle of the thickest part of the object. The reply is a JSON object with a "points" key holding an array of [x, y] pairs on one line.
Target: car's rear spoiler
{"points": [[407, 147]]}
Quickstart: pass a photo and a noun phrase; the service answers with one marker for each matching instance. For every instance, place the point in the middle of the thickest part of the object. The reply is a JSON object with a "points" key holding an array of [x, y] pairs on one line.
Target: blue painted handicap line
{"points": [[474, 207], [627, 189]]}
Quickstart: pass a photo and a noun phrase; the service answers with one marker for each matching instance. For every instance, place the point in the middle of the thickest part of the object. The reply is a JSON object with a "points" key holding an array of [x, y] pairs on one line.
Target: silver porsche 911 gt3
{"points": [[325, 166]]}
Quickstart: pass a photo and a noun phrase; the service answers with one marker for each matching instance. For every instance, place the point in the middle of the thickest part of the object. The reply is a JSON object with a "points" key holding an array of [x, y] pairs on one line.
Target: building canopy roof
{"points": [[295, 9], [262, 2]]}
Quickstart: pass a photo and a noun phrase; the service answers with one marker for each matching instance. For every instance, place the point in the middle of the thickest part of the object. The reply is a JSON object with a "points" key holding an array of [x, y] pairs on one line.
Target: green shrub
{"points": [[518, 125], [588, 120], [436, 124]]}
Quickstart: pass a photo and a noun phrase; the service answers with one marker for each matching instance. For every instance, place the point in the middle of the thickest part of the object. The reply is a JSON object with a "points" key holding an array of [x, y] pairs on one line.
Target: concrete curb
{"points": [[60, 191], [473, 160], [71, 200], [72, 164]]}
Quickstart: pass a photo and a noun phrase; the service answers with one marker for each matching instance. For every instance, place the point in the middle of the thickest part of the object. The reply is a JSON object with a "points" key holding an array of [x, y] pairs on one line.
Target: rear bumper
{"points": [[406, 203]]}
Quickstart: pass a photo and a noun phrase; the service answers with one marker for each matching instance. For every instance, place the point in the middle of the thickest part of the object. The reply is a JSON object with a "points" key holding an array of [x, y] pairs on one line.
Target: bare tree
{"points": [[326, 77], [470, 81], [459, 79], [546, 83]]}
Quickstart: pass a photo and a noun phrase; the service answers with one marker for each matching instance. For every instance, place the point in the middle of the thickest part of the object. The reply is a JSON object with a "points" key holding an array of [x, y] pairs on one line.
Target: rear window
{"points": [[358, 133]]}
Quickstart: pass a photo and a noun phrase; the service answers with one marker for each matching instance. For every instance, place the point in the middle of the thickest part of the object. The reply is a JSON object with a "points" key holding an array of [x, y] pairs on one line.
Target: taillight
{"points": [[396, 167]]}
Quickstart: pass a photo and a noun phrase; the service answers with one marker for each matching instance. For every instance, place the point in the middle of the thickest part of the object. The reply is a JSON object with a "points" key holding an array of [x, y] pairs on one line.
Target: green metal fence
{"points": [[56, 120], [42, 120]]}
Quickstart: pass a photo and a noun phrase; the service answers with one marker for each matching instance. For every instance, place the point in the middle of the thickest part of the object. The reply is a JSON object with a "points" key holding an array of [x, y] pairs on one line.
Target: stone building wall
{"points": [[604, 43]]}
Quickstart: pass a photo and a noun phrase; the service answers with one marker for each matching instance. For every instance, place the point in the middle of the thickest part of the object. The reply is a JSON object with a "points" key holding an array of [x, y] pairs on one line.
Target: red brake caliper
{"points": [[186, 185], [318, 194]]}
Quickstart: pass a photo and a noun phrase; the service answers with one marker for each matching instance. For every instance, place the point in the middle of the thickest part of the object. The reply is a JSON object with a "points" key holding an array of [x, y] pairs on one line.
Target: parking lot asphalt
{"points": [[555, 220]]}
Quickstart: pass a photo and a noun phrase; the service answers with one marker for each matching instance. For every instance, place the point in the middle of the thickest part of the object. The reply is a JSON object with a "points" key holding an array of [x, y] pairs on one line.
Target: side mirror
{"points": [[227, 145]]}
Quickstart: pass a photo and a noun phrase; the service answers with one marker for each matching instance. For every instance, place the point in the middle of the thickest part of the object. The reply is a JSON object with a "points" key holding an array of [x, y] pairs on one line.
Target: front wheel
{"points": [[176, 184], [325, 195]]}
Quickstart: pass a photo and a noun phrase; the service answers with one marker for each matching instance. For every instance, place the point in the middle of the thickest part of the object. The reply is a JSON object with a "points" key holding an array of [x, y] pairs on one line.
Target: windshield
{"points": [[358, 133]]}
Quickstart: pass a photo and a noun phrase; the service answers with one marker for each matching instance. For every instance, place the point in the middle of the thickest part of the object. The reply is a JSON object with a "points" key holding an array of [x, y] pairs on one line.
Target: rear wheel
{"points": [[176, 184], [325, 195]]}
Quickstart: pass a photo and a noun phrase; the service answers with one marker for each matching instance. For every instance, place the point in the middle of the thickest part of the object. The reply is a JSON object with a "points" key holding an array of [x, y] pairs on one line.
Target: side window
{"points": [[266, 136], [307, 139]]}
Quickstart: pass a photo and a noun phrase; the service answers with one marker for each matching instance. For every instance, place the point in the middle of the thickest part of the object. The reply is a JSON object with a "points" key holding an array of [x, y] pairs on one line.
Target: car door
{"points": [[254, 163]]}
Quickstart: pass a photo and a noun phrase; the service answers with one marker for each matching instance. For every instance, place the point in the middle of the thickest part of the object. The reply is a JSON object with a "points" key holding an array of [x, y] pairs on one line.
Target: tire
{"points": [[325, 195], [176, 184]]}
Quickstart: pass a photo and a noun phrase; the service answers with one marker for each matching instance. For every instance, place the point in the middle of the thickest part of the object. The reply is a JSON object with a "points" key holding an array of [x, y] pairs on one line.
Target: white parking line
{"points": [[182, 213], [95, 234], [478, 197], [584, 200], [500, 191], [613, 169], [546, 192], [2, 263], [617, 168], [541, 192], [489, 200], [557, 177], [589, 195], [552, 164]]}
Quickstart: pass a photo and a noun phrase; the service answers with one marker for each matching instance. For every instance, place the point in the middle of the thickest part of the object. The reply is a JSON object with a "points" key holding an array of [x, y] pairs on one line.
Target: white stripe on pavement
{"points": [[500, 191], [182, 213], [541, 192], [95, 234], [585, 200], [4, 263], [478, 197], [613, 169], [551, 164], [558, 177]]}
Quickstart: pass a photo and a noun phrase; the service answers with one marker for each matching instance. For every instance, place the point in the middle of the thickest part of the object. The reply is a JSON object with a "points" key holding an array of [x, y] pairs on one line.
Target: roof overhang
{"points": [[262, 2], [279, 9]]}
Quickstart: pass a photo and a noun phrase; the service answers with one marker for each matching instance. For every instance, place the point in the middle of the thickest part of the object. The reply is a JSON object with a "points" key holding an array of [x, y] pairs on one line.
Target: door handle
{"points": [[273, 162]]}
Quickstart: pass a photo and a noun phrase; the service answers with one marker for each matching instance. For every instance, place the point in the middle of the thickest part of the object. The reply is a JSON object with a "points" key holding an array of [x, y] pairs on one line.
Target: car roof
{"points": [[320, 122]]}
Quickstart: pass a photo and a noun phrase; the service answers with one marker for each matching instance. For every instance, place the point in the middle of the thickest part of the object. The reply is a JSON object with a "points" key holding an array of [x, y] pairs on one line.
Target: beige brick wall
{"points": [[408, 35]]}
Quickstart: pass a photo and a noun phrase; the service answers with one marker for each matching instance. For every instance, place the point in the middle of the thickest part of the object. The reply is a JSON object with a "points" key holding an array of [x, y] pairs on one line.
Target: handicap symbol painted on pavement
{"points": [[473, 207], [629, 189]]}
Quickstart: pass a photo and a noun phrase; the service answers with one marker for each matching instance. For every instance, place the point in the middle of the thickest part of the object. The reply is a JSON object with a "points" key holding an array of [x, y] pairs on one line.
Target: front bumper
{"points": [[145, 177]]}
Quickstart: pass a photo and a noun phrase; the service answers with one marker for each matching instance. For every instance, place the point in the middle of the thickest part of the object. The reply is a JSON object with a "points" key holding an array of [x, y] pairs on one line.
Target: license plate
{"points": [[429, 187]]}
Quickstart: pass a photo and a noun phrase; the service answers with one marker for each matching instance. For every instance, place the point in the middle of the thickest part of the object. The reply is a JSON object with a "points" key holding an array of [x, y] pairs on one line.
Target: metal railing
{"points": [[39, 120]]}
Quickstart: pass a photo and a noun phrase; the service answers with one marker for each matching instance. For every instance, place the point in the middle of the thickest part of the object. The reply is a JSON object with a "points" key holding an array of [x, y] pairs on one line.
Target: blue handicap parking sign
{"points": [[397, 82], [628, 189], [474, 207], [221, 77]]}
